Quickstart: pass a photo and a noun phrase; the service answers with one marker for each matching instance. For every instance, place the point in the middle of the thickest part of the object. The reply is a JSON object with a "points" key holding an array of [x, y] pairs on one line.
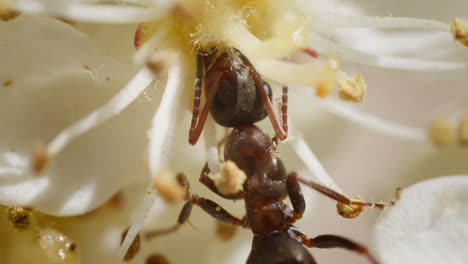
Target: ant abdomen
{"points": [[278, 248]]}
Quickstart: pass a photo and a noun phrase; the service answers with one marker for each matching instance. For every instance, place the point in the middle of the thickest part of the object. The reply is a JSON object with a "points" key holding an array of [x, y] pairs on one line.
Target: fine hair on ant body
{"points": [[229, 78]]}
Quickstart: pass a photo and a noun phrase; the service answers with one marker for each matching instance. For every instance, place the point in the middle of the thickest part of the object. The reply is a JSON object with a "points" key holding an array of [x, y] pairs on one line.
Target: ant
{"points": [[236, 95], [276, 239]]}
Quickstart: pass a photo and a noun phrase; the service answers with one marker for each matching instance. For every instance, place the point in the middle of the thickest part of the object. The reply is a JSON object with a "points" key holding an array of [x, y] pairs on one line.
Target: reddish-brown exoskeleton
{"points": [[276, 239], [237, 97], [235, 93]]}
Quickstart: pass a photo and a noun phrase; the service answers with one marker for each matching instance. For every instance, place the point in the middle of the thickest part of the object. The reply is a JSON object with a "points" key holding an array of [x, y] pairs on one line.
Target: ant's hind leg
{"points": [[210, 207], [296, 197], [347, 207], [333, 241]]}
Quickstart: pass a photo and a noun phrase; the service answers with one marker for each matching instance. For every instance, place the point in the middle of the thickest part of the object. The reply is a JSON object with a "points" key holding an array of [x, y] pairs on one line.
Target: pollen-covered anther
{"points": [[463, 131], [352, 89], [6, 11], [134, 247], [442, 132], [230, 179], [157, 259], [40, 157], [225, 231], [460, 31], [19, 217], [350, 210], [168, 187]]}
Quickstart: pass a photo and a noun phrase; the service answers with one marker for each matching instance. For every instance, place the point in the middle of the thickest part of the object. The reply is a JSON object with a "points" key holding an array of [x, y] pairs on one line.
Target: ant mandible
{"points": [[276, 239], [235, 93]]}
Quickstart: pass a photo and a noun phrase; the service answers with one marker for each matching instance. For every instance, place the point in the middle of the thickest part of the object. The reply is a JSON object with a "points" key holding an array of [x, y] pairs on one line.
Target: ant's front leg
{"points": [[210, 184], [347, 207], [199, 119], [210, 207], [280, 127]]}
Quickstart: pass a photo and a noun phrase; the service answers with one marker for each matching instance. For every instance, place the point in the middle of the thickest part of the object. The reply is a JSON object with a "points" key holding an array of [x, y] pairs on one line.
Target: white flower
{"points": [[67, 92]]}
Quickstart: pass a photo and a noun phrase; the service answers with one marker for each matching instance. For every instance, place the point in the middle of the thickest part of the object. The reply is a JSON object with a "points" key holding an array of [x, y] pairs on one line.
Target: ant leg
{"points": [[341, 198], [210, 207], [197, 127], [209, 183], [277, 125], [284, 109], [296, 197], [333, 241]]}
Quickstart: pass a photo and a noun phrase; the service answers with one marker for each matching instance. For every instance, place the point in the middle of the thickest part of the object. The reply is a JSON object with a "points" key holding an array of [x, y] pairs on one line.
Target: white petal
{"points": [[428, 225], [99, 13], [56, 80]]}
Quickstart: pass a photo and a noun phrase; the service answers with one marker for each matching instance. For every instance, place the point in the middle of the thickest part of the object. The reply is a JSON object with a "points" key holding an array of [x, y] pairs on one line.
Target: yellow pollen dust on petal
{"points": [[352, 89], [460, 31]]}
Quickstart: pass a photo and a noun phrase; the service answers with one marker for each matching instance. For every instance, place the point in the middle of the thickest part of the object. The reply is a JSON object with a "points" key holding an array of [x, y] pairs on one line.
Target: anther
{"points": [[352, 89], [350, 210], [40, 158], [134, 247], [230, 179], [19, 217], [225, 231], [442, 132], [156, 259], [463, 131], [168, 187], [460, 31]]}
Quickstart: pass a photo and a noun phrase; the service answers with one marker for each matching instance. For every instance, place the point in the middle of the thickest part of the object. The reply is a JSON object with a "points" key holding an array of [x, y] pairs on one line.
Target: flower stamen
{"points": [[460, 31]]}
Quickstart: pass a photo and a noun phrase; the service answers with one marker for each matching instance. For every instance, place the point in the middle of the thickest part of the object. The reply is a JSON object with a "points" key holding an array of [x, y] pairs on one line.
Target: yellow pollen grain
{"points": [[230, 179], [19, 217], [352, 89], [442, 132], [460, 31], [6, 12], [7, 83], [40, 158], [463, 131], [225, 231], [167, 186], [350, 210]]}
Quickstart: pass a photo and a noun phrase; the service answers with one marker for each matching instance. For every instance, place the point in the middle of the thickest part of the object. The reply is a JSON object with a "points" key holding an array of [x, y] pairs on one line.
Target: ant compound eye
{"points": [[267, 88]]}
